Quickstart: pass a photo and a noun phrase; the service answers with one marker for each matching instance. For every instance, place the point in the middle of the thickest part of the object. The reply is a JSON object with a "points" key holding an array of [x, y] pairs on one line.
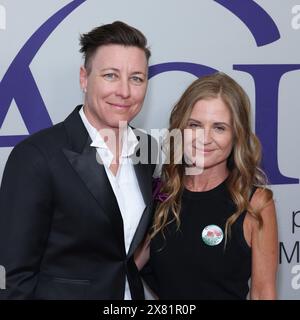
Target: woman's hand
{"points": [[142, 253]]}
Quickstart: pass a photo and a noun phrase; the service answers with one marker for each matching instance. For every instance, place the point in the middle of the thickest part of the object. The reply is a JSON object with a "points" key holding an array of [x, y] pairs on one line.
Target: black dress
{"points": [[192, 263]]}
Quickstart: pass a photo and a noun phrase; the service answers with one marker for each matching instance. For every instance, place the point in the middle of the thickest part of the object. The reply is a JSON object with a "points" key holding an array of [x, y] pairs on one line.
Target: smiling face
{"points": [[115, 85], [215, 141]]}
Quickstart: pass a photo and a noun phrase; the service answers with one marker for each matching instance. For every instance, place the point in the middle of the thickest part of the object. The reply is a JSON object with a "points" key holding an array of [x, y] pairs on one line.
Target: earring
{"points": [[84, 90]]}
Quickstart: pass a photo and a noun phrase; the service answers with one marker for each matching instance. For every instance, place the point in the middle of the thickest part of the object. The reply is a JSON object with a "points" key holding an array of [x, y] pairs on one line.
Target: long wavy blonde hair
{"points": [[243, 162]]}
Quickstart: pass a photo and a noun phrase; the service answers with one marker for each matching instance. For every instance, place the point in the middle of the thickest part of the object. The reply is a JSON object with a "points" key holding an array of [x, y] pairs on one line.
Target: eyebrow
{"points": [[216, 123], [117, 70], [139, 72], [109, 69]]}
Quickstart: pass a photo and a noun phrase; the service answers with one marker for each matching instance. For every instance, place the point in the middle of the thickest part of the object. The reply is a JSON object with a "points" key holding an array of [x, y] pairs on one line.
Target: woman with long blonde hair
{"points": [[215, 222]]}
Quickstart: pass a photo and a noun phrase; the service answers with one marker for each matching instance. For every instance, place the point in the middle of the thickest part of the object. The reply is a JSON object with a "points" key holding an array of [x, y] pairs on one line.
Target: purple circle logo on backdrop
{"points": [[260, 24], [18, 83]]}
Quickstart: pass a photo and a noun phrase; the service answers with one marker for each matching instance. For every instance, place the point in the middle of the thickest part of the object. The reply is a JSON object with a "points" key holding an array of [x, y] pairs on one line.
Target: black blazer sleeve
{"points": [[25, 219]]}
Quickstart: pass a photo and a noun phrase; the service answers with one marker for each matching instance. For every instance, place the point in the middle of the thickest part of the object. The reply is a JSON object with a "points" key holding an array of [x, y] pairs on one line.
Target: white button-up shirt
{"points": [[124, 184]]}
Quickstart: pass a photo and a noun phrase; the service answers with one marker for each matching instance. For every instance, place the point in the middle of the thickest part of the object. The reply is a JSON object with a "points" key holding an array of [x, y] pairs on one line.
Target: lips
{"points": [[119, 105], [204, 150]]}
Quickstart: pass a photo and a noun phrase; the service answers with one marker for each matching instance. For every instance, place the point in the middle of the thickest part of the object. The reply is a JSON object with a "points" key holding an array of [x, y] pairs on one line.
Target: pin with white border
{"points": [[212, 235]]}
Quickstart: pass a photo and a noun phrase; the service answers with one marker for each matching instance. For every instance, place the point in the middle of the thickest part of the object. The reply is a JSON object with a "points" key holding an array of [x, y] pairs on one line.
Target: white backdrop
{"points": [[202, 32]]}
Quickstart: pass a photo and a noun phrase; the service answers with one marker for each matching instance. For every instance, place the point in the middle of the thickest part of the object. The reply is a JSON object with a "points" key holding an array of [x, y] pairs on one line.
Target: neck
{"points": [[207, 180], [98, 125], [111, 135]]}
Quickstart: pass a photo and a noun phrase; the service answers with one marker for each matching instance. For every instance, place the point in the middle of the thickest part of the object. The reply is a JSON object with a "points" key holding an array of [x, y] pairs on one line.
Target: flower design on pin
{"points": [[212, 235]]}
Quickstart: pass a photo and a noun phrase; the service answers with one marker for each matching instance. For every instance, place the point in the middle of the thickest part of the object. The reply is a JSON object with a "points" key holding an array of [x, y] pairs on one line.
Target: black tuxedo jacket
{"points": [[61, 231]]}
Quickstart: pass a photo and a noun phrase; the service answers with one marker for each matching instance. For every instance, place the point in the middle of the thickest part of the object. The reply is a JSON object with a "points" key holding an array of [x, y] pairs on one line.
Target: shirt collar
{"points": [[130, 142], [129, 139]]}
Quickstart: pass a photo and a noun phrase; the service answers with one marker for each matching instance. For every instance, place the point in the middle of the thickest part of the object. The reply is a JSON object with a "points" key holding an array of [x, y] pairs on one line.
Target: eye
{"points": [[110, 76], [220, 128], [193, 125], [137, 79]]}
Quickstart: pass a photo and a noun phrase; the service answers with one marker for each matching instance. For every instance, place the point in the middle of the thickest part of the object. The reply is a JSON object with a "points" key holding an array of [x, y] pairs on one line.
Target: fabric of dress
{"points": [[183, 266]]}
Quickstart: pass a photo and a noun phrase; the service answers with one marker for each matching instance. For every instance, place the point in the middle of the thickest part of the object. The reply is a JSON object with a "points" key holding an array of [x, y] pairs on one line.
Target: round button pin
{"points": [[212, 235]]}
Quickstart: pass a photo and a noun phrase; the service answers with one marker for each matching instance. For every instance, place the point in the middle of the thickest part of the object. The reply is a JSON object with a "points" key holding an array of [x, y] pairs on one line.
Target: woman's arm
{"points": [[264, 243]]}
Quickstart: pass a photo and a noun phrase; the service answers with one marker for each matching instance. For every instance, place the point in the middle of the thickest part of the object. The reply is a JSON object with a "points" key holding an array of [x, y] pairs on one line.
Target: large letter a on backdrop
{"points": [[18, 82]]}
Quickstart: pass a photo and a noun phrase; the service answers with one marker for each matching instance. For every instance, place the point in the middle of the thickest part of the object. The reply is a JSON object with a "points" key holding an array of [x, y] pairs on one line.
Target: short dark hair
{"points": [[117, 32]]}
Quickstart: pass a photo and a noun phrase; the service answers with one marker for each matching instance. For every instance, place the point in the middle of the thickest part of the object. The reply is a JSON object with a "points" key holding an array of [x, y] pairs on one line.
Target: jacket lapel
{"points": [[144, 176], [82, 157]]}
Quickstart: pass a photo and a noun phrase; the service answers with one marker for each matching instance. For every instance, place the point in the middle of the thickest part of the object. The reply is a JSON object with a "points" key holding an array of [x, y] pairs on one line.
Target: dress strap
{"points": [[252, 192]]}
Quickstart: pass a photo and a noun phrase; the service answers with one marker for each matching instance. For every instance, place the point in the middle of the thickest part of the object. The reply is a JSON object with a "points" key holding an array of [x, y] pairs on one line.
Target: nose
{"points": [[207, 136], [123, 89]]}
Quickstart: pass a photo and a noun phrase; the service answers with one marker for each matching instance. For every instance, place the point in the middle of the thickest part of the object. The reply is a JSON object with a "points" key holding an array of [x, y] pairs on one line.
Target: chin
{"points": [[115, 125], [114, 121]]}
